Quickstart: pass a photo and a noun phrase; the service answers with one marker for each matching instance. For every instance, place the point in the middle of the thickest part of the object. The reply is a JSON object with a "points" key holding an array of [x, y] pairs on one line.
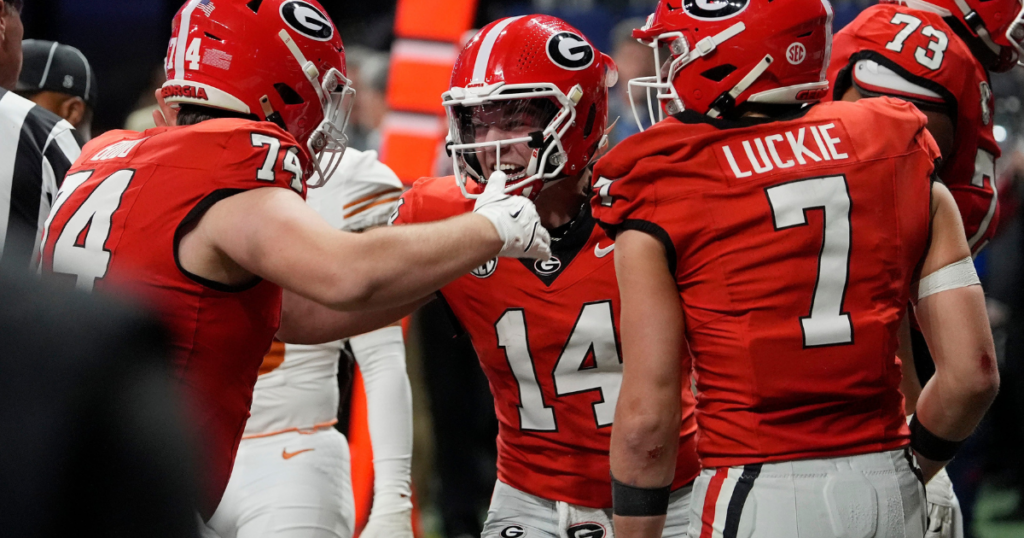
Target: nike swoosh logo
{"points": [[516, 214], [602, 252], [289, 455]]}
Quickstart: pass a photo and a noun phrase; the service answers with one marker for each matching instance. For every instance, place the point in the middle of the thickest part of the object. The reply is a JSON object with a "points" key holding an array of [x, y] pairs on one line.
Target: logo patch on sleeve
{"points": [[485, 270]]}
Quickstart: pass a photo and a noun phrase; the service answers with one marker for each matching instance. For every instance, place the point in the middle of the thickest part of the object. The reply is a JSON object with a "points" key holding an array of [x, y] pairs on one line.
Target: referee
{"points": [[58, 78], [36, 150]]}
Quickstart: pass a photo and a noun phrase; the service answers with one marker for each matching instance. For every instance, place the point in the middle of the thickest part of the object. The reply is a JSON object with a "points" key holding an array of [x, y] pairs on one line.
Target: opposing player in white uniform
{"points": [[292, 475]]}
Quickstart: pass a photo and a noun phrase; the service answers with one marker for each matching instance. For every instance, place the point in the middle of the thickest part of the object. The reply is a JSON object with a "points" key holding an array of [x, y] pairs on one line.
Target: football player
{"points": [[781, 241], [290, 449], [206, 220], [937, 55], [528, 106]]}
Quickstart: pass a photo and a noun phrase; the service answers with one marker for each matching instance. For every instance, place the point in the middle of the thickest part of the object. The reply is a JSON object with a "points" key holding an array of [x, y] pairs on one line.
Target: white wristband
{"points": [[959, 274]]}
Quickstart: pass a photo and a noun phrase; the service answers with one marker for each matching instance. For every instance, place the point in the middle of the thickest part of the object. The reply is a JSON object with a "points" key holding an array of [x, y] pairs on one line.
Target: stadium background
{"points": [[125, 41]]}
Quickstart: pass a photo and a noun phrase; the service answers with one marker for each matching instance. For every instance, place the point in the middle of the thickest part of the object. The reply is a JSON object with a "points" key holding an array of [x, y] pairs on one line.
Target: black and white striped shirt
{"points": [[36, 150]]}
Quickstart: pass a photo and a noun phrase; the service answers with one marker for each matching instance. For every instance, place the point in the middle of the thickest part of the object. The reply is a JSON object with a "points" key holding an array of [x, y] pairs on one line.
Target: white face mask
{"points": [[1015, 35], [516, 129], [681, 54], [328, 142]]}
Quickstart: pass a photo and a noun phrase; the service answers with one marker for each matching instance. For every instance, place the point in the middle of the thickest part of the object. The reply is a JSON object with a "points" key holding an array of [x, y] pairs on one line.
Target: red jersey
{"points": [[115, 227], [922, 49], [793, 244], [546, 334]]}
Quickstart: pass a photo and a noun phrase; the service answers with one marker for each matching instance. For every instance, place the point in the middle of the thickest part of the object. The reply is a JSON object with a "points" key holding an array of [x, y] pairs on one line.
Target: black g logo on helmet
{"points": [[307, 20], [714, 9], [586, 530], [570, 51]]}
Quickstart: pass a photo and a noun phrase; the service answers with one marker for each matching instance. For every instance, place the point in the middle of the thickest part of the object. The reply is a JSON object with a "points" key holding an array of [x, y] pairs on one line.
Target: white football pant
{"points": [[515, 514], [875, 495], [288, 485]]}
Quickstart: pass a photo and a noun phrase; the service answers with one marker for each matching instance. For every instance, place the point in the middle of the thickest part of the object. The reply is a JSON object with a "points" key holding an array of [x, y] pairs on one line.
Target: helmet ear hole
{"points": [[255, 5], [288, 95], [591, 117], [719, 73]]}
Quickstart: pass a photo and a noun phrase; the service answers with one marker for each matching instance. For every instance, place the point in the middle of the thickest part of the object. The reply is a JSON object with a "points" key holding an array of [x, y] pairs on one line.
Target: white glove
{"points": [[398, 525], [516, 220], [945, 519]]}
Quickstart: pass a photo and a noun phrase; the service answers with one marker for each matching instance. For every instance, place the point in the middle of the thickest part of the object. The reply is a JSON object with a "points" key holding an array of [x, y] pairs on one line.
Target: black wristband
{"points": [[639, 502], [929, 445]]}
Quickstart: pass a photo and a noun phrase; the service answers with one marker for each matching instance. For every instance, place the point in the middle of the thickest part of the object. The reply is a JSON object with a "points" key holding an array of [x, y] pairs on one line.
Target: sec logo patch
{"points": [[796, 53], [485, 270]]}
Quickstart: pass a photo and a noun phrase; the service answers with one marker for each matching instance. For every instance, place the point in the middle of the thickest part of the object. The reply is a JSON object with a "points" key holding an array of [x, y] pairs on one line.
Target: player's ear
{"points": [[73, 110]]}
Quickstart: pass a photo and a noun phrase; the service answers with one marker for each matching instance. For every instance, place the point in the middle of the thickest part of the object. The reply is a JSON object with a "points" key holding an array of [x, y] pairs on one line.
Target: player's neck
{"points": [[560, 203]]}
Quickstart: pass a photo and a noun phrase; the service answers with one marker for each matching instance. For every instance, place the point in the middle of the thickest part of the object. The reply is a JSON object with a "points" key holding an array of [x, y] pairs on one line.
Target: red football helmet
{"points": [[993, 29], [723, 53], [279, 60], [529, 96]]}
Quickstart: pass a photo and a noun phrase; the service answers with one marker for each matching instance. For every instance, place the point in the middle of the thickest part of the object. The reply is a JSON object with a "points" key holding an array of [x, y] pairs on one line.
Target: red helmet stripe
{"points": [[483, 56]]}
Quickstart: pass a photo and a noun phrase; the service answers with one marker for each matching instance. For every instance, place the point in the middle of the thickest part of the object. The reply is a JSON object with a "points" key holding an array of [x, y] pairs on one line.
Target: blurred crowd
{"points": [[455, 429]]}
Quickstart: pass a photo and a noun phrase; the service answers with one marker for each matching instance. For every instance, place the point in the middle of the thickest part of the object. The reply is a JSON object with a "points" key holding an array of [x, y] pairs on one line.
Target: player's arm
{"points": [[645, 437], [272, 233], [304, 321], [951, 312], [381, 358]]}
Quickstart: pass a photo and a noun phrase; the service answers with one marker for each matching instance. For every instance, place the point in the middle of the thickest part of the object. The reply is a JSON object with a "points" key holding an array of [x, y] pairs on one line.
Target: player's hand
{"points": [[397, 525], [943, 508], [516, 220], [164, 115]]}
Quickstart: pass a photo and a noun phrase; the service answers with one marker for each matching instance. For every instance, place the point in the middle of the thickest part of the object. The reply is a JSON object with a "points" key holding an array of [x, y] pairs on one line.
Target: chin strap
{"points": [[727, 100], [700, 49], [974, 21]]}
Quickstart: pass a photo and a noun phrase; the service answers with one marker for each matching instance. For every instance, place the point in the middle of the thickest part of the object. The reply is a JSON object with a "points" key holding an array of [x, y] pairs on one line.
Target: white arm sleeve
{"points": [[381, 358]]}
